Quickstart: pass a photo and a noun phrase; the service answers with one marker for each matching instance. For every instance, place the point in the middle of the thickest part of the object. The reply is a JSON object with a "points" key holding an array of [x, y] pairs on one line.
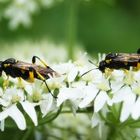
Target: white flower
{"points": [[69, 70], [11, 95], [127, 97], [90, 93], [100, 101], [129, 78], [116, 80], [102, 97], [47, 104], [55, 83], [88, 76], [137, 76], [19, 12], [136, 111], [1, 92], [15, 114], [96, 91], [34, 92], [30, 110], [121, 95], [44, 100], [47, 3], [73, 94]]}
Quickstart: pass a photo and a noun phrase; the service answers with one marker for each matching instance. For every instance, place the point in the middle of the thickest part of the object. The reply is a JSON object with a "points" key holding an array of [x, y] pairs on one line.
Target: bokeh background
{"points": [[59, 30], [95, 25]]}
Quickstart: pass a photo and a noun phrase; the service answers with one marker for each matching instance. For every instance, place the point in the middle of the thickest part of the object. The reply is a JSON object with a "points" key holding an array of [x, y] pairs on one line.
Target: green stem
{"points": [[71, 25], [87, 110], [112, 133], [51, 118], [54, 137], [27, 134]]}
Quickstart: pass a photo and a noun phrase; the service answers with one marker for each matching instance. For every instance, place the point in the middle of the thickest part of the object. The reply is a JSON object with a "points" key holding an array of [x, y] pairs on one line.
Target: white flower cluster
{"points": [[19, 12], [116, 92]]}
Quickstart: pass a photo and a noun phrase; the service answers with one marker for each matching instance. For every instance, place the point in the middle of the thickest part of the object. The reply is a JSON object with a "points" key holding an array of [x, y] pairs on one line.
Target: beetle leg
{"points": [[36, 57], [44, 81]]}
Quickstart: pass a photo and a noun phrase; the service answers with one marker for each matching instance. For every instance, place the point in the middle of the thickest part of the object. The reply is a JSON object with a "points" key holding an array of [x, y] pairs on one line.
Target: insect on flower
{"points": [[121, 61], [118, 61], [27, 71]]}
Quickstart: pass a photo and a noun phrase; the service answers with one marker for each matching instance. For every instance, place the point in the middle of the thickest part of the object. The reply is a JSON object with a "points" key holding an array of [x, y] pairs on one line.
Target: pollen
{"points": [[36, 96], [103, 86], [15, 99]]}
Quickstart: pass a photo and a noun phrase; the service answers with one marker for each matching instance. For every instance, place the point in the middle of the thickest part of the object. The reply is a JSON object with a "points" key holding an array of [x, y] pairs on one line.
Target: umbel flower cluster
{"points": [[113, 97]]}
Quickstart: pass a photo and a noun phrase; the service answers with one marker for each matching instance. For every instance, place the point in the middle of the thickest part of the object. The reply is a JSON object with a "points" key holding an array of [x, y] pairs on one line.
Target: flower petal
{"points": [[1, 91], [17, 116], [30, 110], [2, 125], [72, 74], [69, 93], [100, 101], [46, 105], [136, 110], [3, 114], [121, 95], [91, 92], [127, 106], [95, 120]]}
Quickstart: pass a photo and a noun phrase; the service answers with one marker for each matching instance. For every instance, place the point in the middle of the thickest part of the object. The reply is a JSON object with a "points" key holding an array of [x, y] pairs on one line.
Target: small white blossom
{"points": [[136, 111], [30, 110], [56, 83], [73, 94], [11, 95], [102, 97], [127, 97], [15, 114], [47, 3], [67, 69], [100, 101], [19, 12], [47, 104], [90, 93], [116, 79]]}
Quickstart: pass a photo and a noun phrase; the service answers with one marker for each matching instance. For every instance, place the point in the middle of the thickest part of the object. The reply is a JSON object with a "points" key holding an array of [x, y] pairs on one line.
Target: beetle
{"points": [[27, 71], [120, 61]]}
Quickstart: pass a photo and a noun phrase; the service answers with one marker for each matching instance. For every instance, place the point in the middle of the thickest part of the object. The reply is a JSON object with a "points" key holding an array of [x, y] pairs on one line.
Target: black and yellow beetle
{"points": [[120, 61], [27, 71]]}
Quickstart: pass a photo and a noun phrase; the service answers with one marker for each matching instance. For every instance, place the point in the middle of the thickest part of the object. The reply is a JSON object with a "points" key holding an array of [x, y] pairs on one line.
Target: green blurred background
{"points": [[97, 25], [91, 25]]}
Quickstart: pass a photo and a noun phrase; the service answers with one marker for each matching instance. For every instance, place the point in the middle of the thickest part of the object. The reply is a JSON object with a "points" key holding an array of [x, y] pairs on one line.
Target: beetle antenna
{"points": [[90, 61], [88, 71]]}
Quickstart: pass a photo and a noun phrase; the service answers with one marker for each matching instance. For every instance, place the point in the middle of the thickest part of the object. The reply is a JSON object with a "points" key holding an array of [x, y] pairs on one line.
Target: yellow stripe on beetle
{"points": [[31, 78]]}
